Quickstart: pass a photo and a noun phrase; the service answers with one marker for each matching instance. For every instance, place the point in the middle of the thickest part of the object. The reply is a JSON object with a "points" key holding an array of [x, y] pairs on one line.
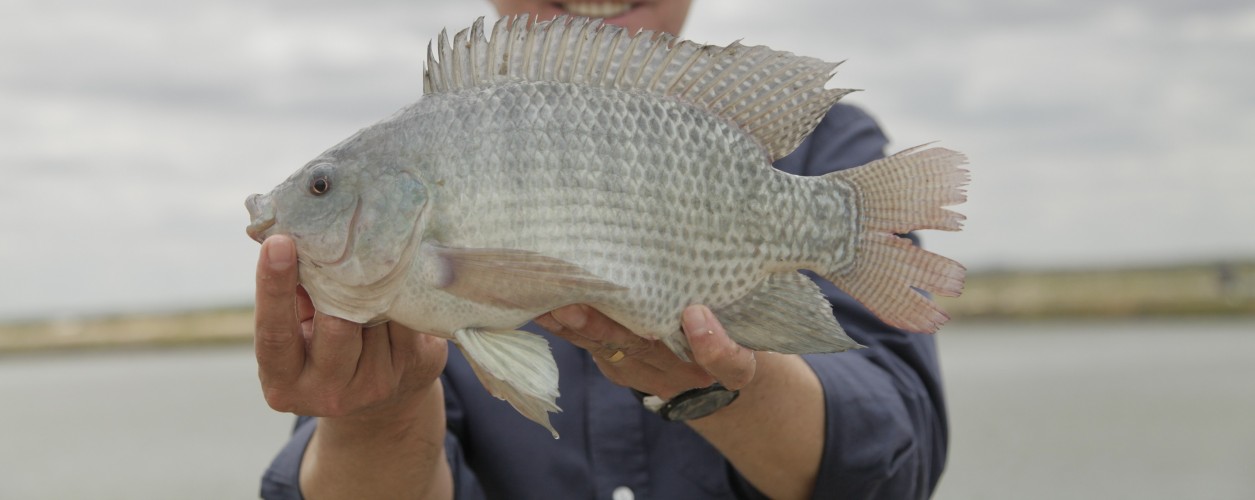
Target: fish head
{"points": [[354, 218]]}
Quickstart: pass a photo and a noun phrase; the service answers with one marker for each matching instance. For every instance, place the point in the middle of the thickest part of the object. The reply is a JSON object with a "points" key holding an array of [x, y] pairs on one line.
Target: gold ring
{"points": [[616, 357]]}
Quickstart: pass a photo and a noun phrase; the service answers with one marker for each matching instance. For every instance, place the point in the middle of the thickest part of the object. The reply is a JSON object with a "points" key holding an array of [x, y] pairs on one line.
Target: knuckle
{"points": [[271, 330], [741, 374], [717, 355], [279, 400], [729, 365], [269, 338]]}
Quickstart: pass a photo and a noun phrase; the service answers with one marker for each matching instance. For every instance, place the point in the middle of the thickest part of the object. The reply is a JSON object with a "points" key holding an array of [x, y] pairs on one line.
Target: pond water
{"points": [[1126, 409], [1129, 409]]}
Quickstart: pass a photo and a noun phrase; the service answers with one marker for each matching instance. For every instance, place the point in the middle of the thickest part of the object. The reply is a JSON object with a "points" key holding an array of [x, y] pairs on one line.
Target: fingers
{"points": [[277, 340], [375, 369], [335, 349], [314, 364], [397, 363], [603, 337], [719, 355], [624, 357], [421, 356], [641, 375], [304, 304]]}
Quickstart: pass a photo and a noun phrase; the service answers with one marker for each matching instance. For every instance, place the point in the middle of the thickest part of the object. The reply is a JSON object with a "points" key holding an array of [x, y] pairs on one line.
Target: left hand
{"points": [[648, 365]]}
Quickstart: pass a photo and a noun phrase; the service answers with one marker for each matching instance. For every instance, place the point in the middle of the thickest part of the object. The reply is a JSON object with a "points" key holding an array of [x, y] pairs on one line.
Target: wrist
{"points": [[691, 404], [380, 453], [772, 377]]}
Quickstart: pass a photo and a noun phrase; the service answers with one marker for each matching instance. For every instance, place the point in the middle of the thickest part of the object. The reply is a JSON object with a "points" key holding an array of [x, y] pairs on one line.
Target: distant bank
{"points": [[1220, 288]]}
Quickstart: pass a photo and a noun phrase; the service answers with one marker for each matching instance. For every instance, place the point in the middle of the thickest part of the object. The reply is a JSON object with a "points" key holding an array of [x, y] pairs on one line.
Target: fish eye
{"points": [[319, 185]]}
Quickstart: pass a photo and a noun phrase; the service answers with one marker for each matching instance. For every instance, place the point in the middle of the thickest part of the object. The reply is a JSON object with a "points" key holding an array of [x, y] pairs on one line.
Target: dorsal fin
{"points": [[776, 97]]}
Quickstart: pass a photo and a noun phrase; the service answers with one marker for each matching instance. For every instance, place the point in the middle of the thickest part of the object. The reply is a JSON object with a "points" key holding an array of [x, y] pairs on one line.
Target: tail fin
{"points": [[898, 194]]}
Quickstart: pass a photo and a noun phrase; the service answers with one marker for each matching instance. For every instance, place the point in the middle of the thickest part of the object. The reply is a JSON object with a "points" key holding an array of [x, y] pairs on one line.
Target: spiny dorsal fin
{"points": [[777, 97]]}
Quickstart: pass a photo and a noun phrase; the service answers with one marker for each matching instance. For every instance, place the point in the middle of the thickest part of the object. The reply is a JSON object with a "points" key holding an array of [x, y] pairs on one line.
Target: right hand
{"points": [[318, 365]]}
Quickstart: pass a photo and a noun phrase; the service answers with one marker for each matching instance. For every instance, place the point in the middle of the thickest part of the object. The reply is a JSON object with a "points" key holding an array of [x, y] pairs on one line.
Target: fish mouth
{"points": [[262, 216], [257, 230]]}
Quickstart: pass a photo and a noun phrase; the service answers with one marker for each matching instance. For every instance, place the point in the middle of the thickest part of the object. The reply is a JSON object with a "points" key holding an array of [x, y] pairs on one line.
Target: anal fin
{"points": [[787, 314], [515, 366]]}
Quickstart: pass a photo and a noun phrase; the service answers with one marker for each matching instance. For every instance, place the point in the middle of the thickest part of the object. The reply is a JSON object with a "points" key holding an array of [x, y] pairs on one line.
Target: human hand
{"points": [[313, 364], [648, 365]]}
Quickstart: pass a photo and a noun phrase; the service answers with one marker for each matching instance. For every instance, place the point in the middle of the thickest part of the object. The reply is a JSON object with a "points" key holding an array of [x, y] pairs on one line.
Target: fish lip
{"points": [[261, 215], [257, 229]]}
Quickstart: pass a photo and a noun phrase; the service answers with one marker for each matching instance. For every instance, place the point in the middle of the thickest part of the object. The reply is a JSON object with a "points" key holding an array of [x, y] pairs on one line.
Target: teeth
{"points": [[601, 9]]}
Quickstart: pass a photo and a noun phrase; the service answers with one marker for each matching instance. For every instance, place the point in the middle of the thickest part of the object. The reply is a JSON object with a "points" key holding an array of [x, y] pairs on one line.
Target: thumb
{"points": [[280, 349]]}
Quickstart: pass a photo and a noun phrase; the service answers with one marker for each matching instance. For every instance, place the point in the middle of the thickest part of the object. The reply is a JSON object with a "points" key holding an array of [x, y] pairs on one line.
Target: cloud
{"points": [[1099, 131]]}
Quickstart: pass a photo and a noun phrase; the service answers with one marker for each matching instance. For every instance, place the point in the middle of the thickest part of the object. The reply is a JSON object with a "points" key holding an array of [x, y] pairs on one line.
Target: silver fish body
{"points": [[568, 162], [670, 204]]}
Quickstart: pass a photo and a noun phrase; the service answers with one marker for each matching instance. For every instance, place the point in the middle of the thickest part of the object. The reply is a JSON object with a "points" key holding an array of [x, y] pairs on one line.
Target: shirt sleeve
{"points": [[885, 433], [282, 481], [466, 485]]}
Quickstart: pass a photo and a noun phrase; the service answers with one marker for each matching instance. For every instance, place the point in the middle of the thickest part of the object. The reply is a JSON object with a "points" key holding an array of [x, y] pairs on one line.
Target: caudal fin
{"points": [[898, 194]]}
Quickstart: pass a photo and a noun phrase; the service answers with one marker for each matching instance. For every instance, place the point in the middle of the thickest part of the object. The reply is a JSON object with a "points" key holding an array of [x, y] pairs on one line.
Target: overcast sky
{"points": [[1101, 132]]}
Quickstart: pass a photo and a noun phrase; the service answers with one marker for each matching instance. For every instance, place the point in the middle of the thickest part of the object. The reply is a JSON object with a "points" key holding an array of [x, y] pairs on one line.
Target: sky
{"points": [[1100, 132]]}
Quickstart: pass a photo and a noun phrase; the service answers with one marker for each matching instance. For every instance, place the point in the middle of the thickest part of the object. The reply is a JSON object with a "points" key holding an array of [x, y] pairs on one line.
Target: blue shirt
{"points": [[885, 435]]}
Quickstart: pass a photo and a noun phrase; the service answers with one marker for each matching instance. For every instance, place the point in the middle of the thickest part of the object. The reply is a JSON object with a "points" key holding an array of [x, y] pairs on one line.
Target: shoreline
{"points": [[1224, 289]]}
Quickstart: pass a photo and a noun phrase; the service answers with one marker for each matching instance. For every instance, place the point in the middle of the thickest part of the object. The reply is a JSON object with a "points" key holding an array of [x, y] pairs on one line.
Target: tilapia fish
{"points": [[568, 161]]}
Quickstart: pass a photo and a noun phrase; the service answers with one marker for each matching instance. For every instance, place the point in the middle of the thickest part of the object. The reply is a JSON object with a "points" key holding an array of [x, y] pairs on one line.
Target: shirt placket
{"points": [[616, 439]]}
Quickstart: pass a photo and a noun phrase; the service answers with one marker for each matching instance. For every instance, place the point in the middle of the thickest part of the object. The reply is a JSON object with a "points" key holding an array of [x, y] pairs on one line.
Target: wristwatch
{"points": [[690, 404]]}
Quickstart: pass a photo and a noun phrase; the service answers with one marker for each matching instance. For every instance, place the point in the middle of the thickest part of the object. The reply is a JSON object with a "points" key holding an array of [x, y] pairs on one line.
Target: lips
{"points": [[596, 9], [261, 215]]}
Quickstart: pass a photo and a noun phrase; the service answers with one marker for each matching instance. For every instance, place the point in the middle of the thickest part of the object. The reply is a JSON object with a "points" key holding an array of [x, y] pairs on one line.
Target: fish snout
{"points": [[261, 214]]}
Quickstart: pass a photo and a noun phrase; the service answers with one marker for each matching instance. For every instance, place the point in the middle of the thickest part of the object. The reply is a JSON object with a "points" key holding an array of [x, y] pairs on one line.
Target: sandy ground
{"points": [[1150, 410]]}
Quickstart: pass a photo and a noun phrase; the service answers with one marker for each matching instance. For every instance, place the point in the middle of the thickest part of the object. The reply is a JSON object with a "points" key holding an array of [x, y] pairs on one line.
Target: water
{"points": [[149, 424], [1147, 409]]}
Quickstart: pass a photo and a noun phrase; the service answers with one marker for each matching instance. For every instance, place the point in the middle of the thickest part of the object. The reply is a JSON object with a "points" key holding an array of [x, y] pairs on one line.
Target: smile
{"points": [[596, 9]]}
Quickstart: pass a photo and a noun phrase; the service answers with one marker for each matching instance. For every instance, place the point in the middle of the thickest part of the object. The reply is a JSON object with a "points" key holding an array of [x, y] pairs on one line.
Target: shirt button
{"points": [[622, 493]]}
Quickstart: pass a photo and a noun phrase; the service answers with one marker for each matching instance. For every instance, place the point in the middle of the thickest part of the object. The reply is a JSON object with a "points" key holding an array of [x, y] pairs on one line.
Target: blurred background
{"points": [[1105, 346]]}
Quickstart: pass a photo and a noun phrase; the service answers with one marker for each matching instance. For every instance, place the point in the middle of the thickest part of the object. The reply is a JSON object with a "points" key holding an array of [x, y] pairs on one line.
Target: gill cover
{"points": [[381, 236]]}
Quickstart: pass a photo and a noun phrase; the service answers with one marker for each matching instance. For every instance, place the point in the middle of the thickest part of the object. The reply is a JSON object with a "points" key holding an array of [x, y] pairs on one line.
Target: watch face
{"points": [[698, 403]]}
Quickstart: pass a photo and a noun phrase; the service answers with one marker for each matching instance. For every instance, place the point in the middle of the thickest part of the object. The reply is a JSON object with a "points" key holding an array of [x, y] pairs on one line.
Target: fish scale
{"points": [[565, 162]]}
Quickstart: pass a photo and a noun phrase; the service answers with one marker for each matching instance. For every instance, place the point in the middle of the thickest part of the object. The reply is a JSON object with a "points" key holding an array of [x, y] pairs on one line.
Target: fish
{"points": [[568, 161]]}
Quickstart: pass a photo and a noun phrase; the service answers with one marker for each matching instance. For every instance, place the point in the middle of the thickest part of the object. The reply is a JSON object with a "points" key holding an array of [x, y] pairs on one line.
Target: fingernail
{"points": [[279, 253], [572, 317], [695, 320]]}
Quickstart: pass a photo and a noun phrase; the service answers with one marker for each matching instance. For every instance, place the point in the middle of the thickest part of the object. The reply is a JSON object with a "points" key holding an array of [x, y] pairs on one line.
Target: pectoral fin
{"points": [[787, 314], [514, 279], [515, 366]]}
